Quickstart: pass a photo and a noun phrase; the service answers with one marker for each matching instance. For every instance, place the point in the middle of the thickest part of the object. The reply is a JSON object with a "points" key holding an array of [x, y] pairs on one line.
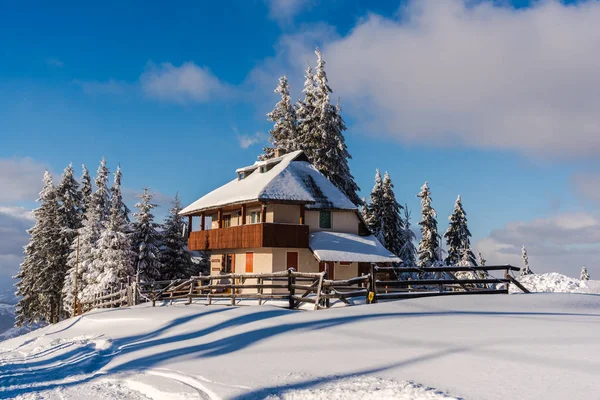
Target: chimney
{"points": [[279, 152]]}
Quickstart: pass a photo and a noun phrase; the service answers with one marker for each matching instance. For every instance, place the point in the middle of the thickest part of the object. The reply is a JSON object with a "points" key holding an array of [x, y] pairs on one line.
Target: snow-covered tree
{"points": [[174, 255], [392, 222], [372, 211], [525, 269], [480, 260], [408, 251], [284, 134], [585, 276], [146, 240], [331, 156], [429, 246], [114, 257], [86, 190], [458, 236], [307, 117], [41, 272], [83, 249], [102, 195]]}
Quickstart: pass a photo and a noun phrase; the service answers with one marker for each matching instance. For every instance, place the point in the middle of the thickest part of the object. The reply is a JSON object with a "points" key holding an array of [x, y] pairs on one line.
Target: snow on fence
{"points": [[298, 288]]}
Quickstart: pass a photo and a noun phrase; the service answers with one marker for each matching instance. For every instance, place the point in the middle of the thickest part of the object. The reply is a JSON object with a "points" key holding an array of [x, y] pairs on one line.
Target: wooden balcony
{"points": [[250, 236]]}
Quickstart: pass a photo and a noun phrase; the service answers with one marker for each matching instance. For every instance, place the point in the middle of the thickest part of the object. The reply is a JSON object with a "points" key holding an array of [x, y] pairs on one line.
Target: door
{"points": [[329, 267], [249, 262], [292, 260]]}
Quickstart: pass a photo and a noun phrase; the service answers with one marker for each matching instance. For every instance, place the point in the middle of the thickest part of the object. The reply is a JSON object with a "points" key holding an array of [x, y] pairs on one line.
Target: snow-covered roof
{"points": [[337, 246], [287, 178]]}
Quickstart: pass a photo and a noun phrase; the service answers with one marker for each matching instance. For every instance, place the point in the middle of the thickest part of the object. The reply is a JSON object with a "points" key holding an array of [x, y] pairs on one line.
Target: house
{"points": [[282, 213]]}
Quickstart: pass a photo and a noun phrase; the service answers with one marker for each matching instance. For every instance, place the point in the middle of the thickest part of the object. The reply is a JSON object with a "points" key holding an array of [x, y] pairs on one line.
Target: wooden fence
{"points": [[298, 288]]}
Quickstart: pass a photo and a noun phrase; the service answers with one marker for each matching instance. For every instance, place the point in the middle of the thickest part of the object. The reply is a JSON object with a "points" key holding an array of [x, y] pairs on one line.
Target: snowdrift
{"points": [[479, 347], [555, 282]]}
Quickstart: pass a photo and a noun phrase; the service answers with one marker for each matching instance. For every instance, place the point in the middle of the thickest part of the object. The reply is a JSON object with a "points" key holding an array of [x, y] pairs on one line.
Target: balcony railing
{"points": [[250, 236]]}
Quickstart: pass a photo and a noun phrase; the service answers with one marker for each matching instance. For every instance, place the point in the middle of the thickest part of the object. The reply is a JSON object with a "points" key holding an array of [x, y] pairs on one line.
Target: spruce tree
{"points": [[86, 190], [525, 269], [113, 261], [83, 248], [174, 255], [372, 211], [458, 236], [331, 154], [391, 220], [70, 215], [585, 276], [408, 251], [40, 271], [146, 240], [429, 247], [307, 117], [284, 134], [480, 260]]}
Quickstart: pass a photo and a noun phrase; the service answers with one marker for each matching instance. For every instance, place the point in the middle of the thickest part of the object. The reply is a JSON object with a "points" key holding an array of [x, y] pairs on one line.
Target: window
{"points": [[325, 219], [226, 221], [254, 217]]}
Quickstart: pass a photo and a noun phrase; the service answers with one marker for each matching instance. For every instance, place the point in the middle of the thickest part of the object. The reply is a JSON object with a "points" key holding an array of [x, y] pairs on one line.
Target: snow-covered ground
{"points": [[533, 346]]}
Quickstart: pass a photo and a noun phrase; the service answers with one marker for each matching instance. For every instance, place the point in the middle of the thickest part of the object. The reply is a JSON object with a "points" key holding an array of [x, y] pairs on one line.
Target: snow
{"points": [[555, 282], [527, 346], [288, 180], [337, 246]]}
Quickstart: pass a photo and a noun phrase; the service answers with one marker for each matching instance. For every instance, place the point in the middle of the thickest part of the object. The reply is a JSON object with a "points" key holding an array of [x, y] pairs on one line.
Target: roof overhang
{"points": [[348, 247]]}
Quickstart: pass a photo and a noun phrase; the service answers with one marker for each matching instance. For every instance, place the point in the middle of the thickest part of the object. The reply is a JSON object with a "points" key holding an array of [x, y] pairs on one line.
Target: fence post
{"points": [[372, 285], [291, 289], [327, 303]]}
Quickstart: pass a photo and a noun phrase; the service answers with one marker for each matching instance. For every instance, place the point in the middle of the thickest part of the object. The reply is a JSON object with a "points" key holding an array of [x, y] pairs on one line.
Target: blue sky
{"points": [[495, 101]]}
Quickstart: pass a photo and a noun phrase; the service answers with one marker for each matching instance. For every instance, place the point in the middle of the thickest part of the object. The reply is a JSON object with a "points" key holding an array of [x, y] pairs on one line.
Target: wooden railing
{"points": [[250, 236], [297, 288]]}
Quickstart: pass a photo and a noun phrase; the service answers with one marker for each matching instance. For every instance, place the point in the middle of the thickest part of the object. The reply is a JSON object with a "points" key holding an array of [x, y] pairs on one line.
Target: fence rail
{"points": [[314, 289]]}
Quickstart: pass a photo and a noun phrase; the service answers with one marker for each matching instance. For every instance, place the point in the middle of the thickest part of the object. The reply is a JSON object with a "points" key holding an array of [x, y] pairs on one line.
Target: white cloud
{"points": [[562, 243], [587, 185], [20, 179], [186, 83], [246, 141], [284, 11], [456, 72], [110, 86]]}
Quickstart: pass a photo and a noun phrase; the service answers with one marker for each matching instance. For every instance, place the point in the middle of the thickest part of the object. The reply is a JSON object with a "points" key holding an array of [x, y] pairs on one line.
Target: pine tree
{"points": [[392, 224], [458, 236], [480, 260], [113, 261], [372, 211], [146, 242], [174, 255], [525, 269], [307, 117], [331, 154], [83, 248], [86, 190], [41, 268], [284, 134], [408, 251], [585, 276], [429, 247]]}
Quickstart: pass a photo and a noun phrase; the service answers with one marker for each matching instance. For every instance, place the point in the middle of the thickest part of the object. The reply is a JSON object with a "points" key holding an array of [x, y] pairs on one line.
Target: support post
{"points": [[189, 232], [220, 217], [202, 222], [263, 214], [243, 214], [291, 290], [372, 285], [302, 212]]}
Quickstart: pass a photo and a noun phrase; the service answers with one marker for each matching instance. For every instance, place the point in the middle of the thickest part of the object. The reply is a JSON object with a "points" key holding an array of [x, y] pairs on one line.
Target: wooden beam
{"points": [[243, 214], [302, 214], [189, 232], [263, 214], [220, 217], [202, 222]]}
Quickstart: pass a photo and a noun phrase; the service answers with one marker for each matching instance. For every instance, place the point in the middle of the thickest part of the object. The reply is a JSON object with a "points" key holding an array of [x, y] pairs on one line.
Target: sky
{"points": [[494, 100]]}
